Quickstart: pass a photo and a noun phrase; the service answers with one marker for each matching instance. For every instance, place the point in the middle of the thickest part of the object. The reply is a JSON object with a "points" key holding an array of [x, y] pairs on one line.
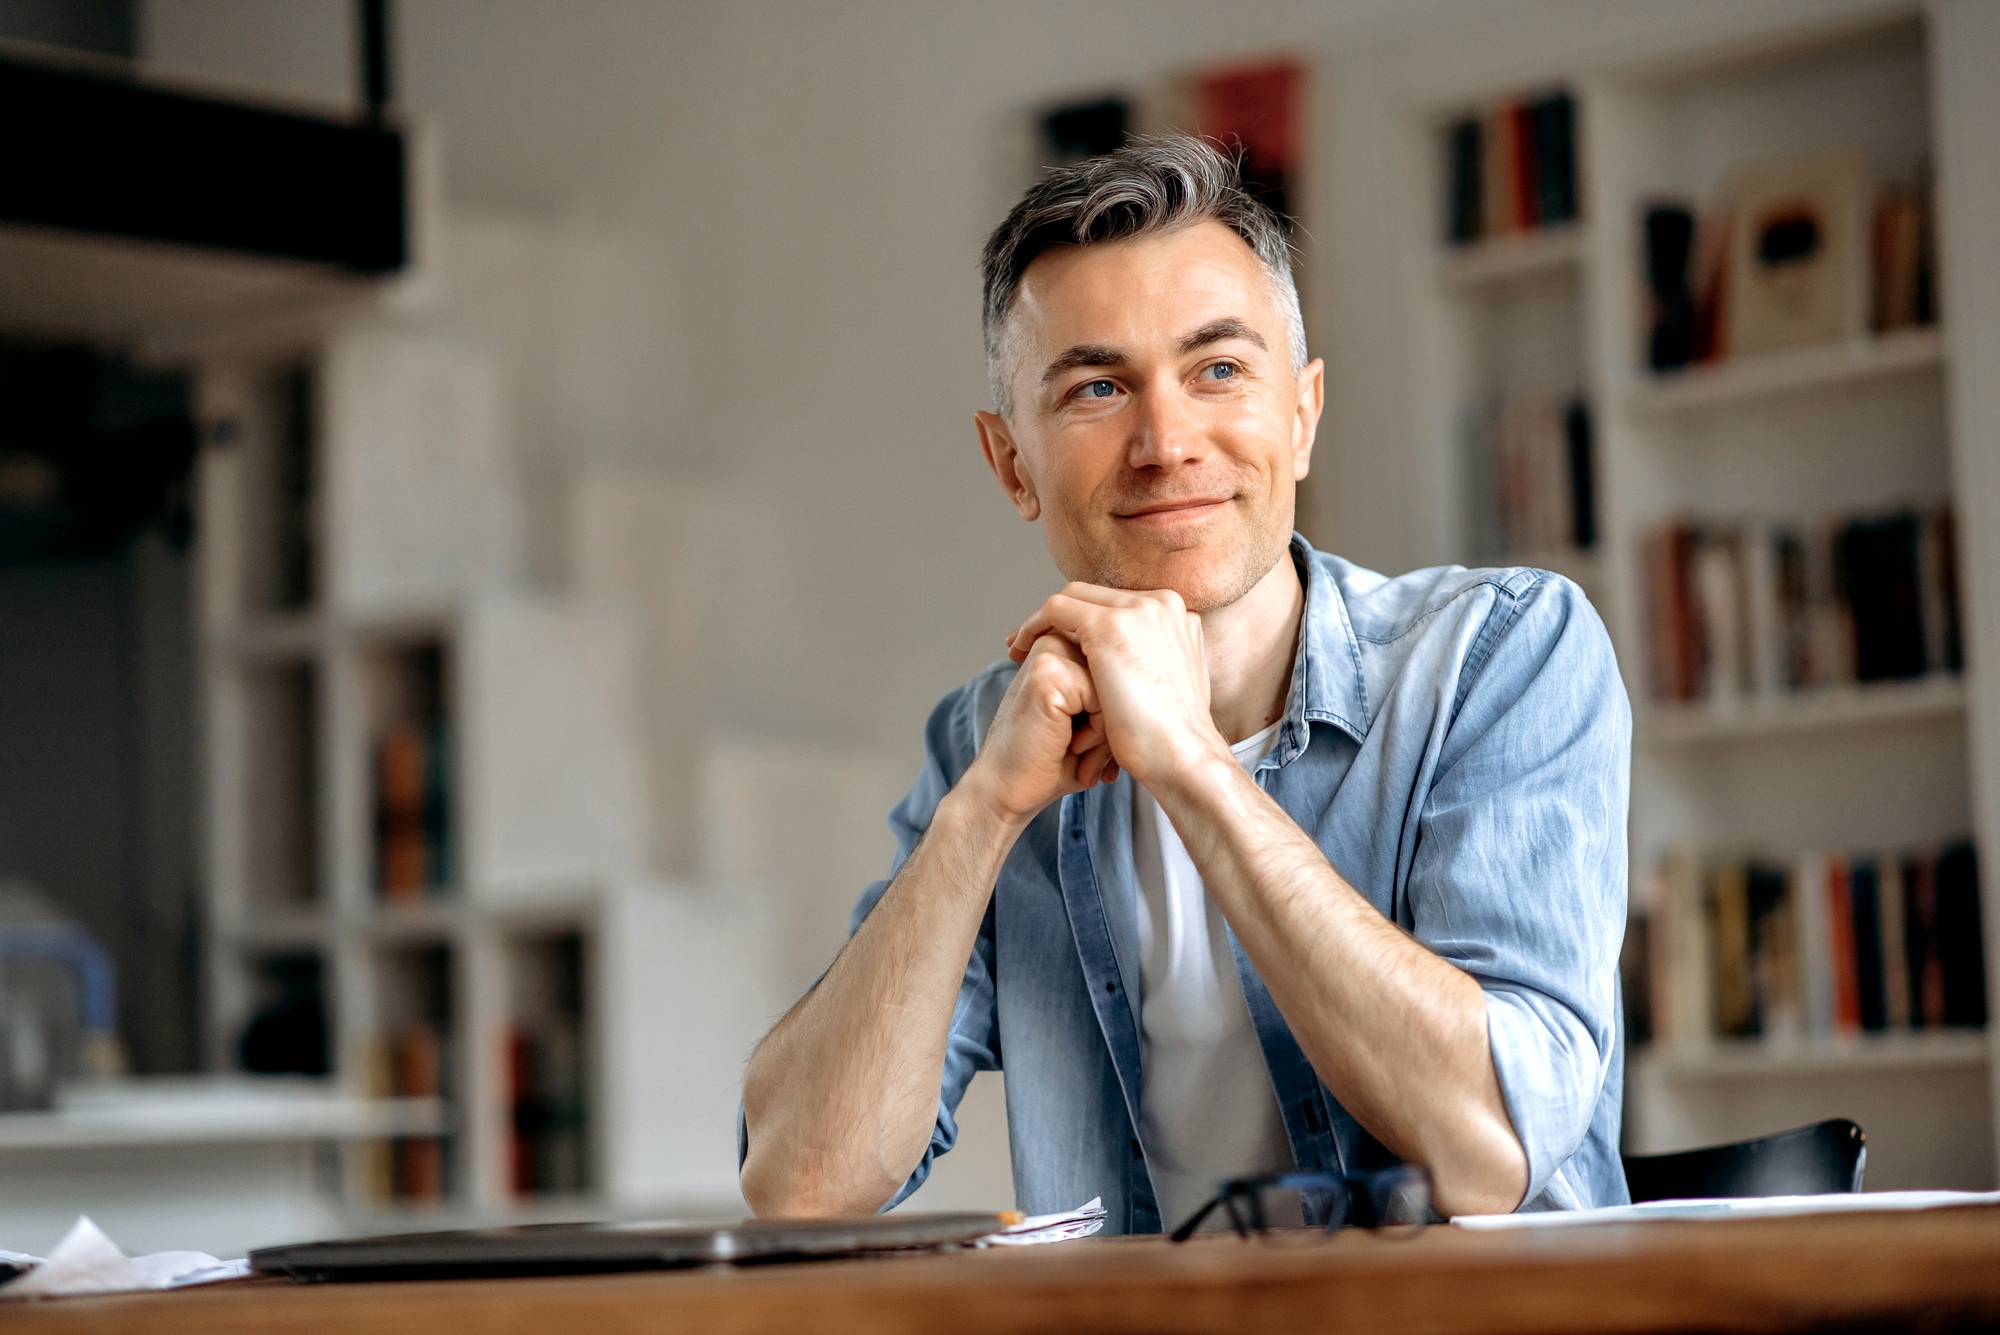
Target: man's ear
{"points": [[1312, 398], [996, 441]]}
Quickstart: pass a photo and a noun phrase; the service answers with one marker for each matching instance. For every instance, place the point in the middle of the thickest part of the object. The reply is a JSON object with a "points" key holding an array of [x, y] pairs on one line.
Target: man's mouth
{"points": [[1176, 509]]}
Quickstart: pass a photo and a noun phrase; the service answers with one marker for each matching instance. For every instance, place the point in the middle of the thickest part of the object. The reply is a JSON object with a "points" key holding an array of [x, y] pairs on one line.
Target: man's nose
{"points": [[1164, 431]]}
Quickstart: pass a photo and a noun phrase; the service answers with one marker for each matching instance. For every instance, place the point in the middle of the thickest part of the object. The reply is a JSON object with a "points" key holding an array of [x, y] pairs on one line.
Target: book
{"points": [[1734, 1006], [1578, 448], [1895, 953], [1776, 992], [1553, 120], [1465, 155], [1815, 944], [417, 1064], [1840, 947], [1669, 244], [1864, 901], [1798, 264], [1961, 951], [1920, 942], [1879, 573]]}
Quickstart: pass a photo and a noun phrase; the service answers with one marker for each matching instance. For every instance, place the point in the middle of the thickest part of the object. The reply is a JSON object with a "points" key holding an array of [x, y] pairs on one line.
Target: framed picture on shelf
{"points": [[1798, 254]]}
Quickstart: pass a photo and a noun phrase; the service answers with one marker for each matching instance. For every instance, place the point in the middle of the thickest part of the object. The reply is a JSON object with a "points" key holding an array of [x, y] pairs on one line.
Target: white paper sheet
{"points": [[86, 1261], [1040, 1228], [1747, 1207]]}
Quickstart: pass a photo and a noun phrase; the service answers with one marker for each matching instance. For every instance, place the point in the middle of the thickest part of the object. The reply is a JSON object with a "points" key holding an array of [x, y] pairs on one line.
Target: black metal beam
{"points": [[101, 155]]}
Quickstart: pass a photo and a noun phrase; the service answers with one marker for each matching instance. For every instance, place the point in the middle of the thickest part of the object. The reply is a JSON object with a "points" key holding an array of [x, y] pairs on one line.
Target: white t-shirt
{"points": [[1208, 1110]]}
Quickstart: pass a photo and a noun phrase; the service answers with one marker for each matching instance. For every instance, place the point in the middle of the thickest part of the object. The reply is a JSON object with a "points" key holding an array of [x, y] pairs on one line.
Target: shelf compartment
{"points": [[1798, 370], [1516, 257], [1868, 1054], [548, 1065], [412, 850], [1937, 695], [413, 1057]]}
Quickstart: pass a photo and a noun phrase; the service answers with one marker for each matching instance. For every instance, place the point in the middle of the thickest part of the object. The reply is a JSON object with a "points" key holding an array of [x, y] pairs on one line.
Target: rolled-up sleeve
{"points": [[1520, 871]]}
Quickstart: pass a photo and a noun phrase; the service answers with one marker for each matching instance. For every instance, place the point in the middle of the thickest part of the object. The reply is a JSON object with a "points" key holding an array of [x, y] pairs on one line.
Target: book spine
{"points": [[1895, 952], [1961, 951], [1921, 941], [1947, 556], [1555, 158], [1497, 174], [1865, 901], [1579, 449], [1729, 934], [1467, 193], [1809, 904], [1840, 948], [1527, 191], [1762, 618]]}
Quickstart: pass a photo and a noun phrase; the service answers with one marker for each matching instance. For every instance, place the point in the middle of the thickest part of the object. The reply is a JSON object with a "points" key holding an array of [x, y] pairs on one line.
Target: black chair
{"points": [[1808, 1161]]}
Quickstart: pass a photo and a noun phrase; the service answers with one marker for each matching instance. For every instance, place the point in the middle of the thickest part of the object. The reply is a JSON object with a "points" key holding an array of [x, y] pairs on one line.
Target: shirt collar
{"points": [[1327, 685]]}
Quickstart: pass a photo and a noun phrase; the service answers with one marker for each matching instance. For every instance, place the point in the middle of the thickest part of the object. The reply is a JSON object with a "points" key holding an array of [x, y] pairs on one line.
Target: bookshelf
{"points": [[423, 798], [1817, 438]]}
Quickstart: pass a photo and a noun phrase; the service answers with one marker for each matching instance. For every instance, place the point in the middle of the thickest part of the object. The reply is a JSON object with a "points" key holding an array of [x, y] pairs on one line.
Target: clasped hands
{"points": [[1133, 663]]}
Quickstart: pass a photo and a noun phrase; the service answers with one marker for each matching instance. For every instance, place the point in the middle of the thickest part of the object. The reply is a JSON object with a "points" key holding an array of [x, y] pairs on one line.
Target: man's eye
{"points": [[1098, 389], [1220, 371]]}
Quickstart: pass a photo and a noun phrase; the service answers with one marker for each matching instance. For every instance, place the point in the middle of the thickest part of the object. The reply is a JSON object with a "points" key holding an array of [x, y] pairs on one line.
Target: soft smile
{"points": [[1179, 510]]}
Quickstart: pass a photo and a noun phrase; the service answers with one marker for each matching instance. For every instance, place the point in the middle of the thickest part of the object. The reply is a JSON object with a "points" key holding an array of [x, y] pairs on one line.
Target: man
{"points": [[1247, 857]]}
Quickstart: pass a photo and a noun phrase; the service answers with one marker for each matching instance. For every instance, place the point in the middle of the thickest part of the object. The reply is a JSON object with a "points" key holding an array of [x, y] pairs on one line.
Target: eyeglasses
{"points": [[1396, 1200]]}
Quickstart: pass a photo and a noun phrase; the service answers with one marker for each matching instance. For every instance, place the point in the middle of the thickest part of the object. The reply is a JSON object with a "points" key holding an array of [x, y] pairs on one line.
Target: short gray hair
{"points": [[1149, 186]]}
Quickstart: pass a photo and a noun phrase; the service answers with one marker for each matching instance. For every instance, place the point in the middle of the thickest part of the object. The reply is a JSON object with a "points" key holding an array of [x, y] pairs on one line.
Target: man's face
{"points": [[1157, 429]]}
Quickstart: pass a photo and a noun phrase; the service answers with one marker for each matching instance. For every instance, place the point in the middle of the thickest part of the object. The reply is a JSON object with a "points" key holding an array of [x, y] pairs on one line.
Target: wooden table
{"points": [[1937, 1270]]}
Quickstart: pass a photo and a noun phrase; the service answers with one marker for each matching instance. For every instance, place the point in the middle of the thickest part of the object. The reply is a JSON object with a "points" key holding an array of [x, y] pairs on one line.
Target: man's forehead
{"points": [[1161, 285]]}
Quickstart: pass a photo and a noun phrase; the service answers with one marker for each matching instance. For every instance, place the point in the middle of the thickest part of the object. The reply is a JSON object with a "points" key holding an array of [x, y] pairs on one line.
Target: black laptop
{"points": [[555, 1249]]}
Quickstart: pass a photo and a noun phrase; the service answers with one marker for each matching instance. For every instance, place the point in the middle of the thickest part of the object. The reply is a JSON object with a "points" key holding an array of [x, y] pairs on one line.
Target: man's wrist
{"points": [[972, 815], [1197, 775]]}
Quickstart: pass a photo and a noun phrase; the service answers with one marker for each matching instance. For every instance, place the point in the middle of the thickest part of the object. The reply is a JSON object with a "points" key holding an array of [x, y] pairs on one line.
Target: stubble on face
{"points": [[1209, 568]]}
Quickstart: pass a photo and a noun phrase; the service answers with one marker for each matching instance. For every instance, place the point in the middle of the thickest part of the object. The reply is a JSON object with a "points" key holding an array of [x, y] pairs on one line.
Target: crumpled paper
{"points": [[86, 1261], [1036, 1229]]}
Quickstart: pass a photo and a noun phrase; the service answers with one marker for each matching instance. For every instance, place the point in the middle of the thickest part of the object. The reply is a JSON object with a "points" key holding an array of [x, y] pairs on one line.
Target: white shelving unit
{"points": [[1806, 432], [459, 938]]}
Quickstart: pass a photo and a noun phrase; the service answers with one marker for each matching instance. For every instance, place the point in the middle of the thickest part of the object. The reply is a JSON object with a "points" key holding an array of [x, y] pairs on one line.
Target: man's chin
{"points": [[1205, 578]]}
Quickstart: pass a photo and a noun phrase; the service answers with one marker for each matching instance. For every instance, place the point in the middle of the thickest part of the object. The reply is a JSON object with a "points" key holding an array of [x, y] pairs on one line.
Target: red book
{"points": [[1527, 193], [1840, 941]]}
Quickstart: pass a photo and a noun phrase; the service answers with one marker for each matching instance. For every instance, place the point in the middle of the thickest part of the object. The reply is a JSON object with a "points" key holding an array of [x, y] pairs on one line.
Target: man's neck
{"points": [[1250, 646]]}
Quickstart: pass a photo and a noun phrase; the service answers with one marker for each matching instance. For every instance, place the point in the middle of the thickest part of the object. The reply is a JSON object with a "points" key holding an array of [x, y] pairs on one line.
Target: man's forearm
{"points": [[841, 1096], [1398, 1034]]}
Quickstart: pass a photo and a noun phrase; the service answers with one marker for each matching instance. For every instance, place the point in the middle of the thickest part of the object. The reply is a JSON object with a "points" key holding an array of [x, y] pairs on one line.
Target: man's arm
{"points": [[1398, 1034], [841, 1096]]}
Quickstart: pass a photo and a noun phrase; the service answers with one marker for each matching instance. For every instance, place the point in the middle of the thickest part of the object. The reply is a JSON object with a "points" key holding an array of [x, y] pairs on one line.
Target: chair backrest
{"points": [[1808, 1161]]}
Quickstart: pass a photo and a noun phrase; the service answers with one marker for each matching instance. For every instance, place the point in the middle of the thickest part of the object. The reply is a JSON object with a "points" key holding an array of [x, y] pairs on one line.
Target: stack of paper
{"points": [[86, 1261], [1039, 1228], [1734, 1207]]}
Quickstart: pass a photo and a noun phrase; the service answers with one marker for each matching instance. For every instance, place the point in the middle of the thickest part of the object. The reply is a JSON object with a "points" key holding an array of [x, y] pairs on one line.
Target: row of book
{"points": [[1530, 469], [1740, 609], [545, 1072], [1756, 276], [1512, 170], [1822, 947], [414, 1062], [412, 811]]}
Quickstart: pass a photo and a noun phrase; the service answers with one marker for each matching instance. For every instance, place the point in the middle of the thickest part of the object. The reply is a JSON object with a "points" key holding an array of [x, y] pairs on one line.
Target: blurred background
{"points": [[488, 497]]}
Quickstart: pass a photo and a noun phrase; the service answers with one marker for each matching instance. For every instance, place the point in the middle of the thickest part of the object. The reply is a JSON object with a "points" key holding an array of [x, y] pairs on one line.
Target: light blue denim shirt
{"points": [[1458, 743]]}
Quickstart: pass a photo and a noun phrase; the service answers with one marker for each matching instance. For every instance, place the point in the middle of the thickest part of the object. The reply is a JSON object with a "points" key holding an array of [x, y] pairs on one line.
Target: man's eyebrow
{"points": [[1083, 354], [1217, 331]]}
